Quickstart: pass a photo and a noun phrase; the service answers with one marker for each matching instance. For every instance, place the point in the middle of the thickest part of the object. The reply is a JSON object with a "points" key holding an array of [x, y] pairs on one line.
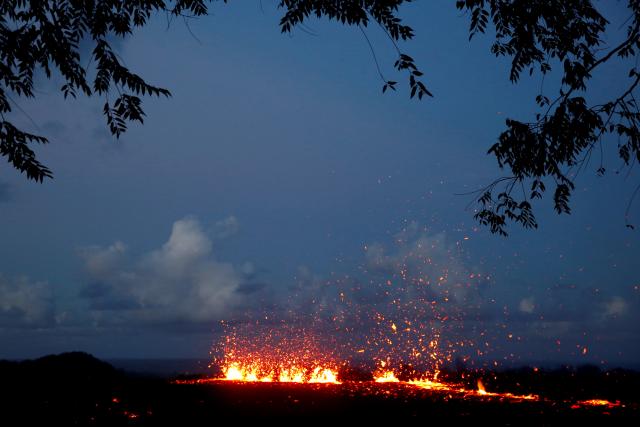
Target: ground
{"points": [[77, 389]]}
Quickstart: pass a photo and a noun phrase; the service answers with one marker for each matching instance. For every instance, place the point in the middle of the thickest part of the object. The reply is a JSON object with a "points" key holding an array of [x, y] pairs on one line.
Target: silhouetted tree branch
{"points": [[567, 35], [569, 32]]}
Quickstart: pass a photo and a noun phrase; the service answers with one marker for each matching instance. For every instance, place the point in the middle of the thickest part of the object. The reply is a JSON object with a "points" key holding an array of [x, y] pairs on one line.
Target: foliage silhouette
{"points": [[536, 34], [557, 146]]}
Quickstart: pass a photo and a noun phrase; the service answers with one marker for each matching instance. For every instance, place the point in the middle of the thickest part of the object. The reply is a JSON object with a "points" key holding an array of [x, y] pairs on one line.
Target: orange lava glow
{"points": [[292, 375], [266, 369], [461, 391], [318, 375], [386, 377], [596, 402], [257, 372], [434, 385], [324, 376], [263, 372]]}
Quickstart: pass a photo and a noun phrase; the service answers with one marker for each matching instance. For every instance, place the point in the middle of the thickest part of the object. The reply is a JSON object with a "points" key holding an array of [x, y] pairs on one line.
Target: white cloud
{"points": [[24, 303], [179, 282], [615, 307], [100, 261], [527, 305]]}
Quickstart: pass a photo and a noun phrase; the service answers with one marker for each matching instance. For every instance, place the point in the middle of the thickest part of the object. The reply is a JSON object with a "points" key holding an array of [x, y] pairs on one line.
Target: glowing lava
{"points": [[596, 402], [386, 377], [324, 376], [233, 373], [237, 372], [275, 370], [382, 380], [434, 385], [481, 389], [291, 375], [257, 372]]}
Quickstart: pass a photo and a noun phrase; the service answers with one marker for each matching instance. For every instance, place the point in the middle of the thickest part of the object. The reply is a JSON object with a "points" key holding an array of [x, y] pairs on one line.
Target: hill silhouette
{"points": [[71, 386]]}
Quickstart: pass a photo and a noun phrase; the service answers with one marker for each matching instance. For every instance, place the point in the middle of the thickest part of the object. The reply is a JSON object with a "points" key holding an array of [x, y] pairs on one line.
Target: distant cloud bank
{"points": [[182, 281], [25, 303]]}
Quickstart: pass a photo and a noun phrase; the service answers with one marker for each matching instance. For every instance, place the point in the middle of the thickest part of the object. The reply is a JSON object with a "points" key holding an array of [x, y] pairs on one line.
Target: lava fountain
{"points": [[399, 323]]}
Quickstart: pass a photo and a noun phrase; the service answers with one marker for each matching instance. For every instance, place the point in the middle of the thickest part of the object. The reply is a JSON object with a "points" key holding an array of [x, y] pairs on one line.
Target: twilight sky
{"points": [[277, 166]]}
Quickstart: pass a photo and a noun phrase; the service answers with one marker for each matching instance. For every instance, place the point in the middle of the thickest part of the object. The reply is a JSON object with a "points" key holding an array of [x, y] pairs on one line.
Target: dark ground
{"points": [[77, 389]]}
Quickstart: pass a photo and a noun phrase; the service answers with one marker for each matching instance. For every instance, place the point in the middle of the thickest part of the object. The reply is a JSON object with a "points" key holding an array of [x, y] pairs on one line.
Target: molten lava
{"points": [[324, 376], [596, 402], [386, 377], [385, 383], [261, 372], [258, 372], [481, 389]]}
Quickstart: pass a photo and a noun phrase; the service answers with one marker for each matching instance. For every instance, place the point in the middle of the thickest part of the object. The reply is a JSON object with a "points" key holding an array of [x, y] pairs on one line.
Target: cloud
{"points": [[179, 282], [567, 303], [101, 261], [527, 305], [615, 307], [25, 303]]}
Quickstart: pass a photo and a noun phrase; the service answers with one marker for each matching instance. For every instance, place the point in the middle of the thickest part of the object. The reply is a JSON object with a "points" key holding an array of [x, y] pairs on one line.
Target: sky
{"points": [[277, 170]]}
